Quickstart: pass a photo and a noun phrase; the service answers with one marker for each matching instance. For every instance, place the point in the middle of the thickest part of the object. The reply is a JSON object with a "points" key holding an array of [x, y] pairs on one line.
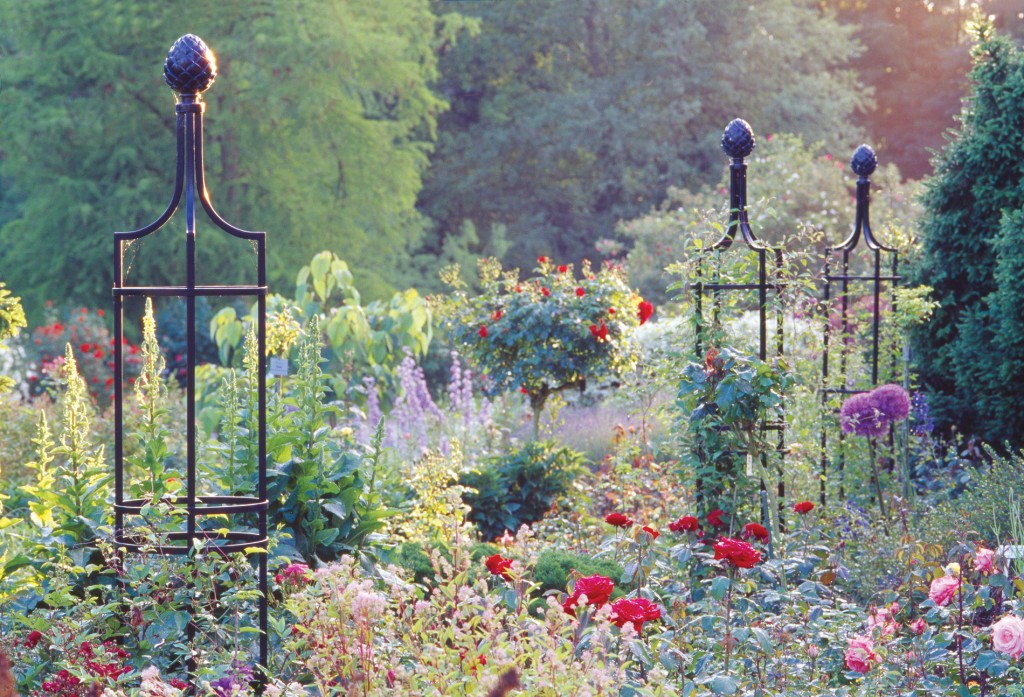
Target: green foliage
{"points": [[372, 338], [68, 501], [969, 353], [346, 119], [12, 321], [801, 202], [549, 333], [724, 404], [320, 488], [554, 569], [149, 440], [517, 488], [569, 117]]}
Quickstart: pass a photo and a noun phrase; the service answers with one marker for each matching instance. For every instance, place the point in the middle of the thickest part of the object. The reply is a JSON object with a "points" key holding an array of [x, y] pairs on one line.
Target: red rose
{"points": [[499, 566], [580, 292], [563, 268], [600, 332], [598, 590], [736, 552], [611, 310], [483, 331], [650, 531], [715, 518], [803, 507], [542, 260], [755, 530], [644, 311], [687, 523], [618, 520], [545, 292], [635, 611], [497, 315], [33, 638]]}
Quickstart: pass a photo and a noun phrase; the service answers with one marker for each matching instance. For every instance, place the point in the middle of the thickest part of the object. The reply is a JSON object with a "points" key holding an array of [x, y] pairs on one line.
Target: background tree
{"points": [[318, 131], [972, 254], [568, 117]]}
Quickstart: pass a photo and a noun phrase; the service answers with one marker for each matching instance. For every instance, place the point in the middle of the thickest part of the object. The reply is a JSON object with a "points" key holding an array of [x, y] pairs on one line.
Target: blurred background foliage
{"points": [[396, 133]]}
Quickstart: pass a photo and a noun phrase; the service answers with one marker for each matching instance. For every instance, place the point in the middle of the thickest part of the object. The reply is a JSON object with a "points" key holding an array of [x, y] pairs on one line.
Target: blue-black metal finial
{"points": [[864, 161], [738, 139], [190, 67]]}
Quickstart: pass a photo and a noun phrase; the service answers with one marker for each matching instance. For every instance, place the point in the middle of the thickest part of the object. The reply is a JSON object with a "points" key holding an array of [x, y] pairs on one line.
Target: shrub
{"points": [[547, 334], [518, 488], [554, 568]]}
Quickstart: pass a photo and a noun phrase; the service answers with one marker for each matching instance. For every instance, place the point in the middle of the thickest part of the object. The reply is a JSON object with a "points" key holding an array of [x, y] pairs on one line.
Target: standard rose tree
{"points": [[545, 334]]}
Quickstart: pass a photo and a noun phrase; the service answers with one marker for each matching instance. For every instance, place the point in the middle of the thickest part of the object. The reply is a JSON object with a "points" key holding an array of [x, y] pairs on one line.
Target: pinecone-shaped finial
{"points": [[738, 139], [863, 161], [191, 66]]}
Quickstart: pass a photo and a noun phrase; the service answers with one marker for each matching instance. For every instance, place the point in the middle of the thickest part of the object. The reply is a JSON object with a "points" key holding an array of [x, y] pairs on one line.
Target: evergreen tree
{"points": [[973, 256]]}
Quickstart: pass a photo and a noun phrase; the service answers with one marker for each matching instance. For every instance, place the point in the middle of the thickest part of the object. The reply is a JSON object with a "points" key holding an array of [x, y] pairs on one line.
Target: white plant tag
{"points": [[278, 367]]}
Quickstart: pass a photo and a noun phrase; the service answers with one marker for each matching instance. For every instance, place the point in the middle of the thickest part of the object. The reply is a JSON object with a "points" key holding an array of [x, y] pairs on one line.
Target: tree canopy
{"points": [[318, 130], [568, 117]]}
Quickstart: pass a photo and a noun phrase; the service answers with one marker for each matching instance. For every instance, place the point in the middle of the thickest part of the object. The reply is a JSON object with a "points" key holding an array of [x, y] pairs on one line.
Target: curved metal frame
{"points": [[863, 164], [190, 182], [738, 143]]}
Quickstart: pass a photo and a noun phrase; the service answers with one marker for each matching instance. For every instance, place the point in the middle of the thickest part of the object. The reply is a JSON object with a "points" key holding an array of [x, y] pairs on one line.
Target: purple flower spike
{"points": [[892, 402], [859, 416]]}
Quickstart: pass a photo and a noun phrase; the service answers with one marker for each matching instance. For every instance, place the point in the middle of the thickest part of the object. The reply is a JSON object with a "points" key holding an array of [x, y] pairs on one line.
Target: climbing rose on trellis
{"points": [[544, 334]]}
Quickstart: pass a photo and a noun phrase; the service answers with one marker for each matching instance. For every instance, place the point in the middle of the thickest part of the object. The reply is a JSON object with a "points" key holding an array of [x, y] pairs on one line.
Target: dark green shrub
{"points": [[553, 569], [519, 487], [415, 558]]}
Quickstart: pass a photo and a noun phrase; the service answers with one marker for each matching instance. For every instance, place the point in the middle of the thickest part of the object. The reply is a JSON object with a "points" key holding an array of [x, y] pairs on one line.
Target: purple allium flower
{"points": [[891, 401], [859, 416]]}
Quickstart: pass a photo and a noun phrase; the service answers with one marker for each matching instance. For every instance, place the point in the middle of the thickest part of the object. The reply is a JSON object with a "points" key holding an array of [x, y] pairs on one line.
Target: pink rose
{"points": [[860, 654], [918, 626], [943, 589], [983, 560], [1008, 636]]}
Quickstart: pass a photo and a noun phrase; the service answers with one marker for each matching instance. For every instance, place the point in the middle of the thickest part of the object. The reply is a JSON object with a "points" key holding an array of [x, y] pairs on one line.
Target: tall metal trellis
{"points": [[190, 70], [863, 163], [738, 143]]}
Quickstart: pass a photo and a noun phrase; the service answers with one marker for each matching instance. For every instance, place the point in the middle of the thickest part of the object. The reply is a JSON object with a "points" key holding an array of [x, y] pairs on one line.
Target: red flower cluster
{"points": [[499, 566], [651, 531], [644, 311], [618, 520], [33, 638], [803, 507], [600, 332], [715, 518], [598, 590], [737, 552], [634, 611], [100, 661], [755, 530], [687, 523]]}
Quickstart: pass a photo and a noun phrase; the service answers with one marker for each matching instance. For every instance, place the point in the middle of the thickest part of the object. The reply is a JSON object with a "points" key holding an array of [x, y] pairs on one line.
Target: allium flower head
{"points": [[892, 402], [859, 416]]}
